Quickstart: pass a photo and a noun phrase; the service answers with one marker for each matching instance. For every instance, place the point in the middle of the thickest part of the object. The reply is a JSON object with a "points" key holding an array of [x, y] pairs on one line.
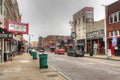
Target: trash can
{"points": [[43, 60], [34, 54]]}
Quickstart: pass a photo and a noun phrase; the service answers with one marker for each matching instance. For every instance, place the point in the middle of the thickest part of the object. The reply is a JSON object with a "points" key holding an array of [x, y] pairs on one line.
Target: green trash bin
{"points": [[43, 60], [34, 54]]}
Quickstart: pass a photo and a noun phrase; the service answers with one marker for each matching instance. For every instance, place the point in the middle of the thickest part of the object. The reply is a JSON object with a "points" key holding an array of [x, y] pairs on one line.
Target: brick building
{"points": [[113, 26]]}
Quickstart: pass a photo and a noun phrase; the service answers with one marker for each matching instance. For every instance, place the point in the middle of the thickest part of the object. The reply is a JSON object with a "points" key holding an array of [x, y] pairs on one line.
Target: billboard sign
{"points": [[15, 27]]}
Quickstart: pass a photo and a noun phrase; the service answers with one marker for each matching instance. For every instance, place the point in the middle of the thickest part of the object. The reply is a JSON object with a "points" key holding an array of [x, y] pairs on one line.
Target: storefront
{"points": [[81, 42], [95, 37], [8, 46], [115, 50]]}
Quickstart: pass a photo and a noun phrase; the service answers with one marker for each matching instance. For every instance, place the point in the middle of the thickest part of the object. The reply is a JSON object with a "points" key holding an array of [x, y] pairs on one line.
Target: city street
{"points": [[85, 68]]}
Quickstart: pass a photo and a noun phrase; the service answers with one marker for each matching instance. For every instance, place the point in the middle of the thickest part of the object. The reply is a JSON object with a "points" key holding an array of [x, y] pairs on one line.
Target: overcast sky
{"points": [[51, 17]]}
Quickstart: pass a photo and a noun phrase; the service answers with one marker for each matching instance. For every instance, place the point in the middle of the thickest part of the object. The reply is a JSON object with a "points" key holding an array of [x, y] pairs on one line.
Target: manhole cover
{"points": [[1, 74], [52, 75]]}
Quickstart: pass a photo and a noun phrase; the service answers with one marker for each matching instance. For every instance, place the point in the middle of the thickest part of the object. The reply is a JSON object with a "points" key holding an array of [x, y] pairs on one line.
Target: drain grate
{"points": [[52, 75], [1, 74]]}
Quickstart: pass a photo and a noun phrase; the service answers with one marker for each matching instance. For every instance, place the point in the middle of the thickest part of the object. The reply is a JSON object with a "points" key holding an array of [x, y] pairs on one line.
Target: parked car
{"points": [[59, 51], [77, 51]]}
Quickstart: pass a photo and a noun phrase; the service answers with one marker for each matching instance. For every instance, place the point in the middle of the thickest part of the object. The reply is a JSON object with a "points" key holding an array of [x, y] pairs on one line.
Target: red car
{"points": [[59, 51]]}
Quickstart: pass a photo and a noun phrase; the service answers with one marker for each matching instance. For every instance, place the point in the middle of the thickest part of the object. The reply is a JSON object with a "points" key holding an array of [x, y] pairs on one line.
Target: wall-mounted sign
{"points": [[89, 14], [6, 36], [95, 34], [21, 28]]}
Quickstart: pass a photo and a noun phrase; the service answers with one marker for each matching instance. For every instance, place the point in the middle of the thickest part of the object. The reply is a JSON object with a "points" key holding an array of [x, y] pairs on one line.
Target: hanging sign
{"points": [[21, 28]]}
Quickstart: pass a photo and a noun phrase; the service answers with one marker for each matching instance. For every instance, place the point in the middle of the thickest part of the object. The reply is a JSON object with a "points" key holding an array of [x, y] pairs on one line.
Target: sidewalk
{"points": [[23, 67], [116, 58]]}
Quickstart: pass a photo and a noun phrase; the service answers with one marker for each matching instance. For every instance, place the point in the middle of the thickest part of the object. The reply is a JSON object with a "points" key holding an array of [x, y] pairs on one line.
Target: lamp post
{"points": [[105, 37], [29, 45]]}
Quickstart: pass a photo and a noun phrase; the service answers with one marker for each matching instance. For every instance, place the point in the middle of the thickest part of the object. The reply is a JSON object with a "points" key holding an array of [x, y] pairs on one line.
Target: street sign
{"points": [[114, 42]]}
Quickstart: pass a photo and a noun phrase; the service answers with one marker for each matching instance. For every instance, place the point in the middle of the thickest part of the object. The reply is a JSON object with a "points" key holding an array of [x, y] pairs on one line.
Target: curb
{"points": [[102, 58], [67, 78]]}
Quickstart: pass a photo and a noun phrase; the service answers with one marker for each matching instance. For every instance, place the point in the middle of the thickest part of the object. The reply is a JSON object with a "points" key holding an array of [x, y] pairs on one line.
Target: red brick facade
{"points": [[109, 10]]}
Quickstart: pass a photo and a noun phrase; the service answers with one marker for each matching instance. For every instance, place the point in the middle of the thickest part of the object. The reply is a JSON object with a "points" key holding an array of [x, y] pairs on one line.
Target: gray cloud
{"points": [[49, 17]]}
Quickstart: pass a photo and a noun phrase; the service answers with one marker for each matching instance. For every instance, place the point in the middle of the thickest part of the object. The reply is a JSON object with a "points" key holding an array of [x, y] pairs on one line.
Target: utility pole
{"points": [[105, 37], [29, 41]]}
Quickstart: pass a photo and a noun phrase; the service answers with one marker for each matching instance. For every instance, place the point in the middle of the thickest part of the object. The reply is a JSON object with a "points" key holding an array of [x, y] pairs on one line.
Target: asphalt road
{"points": [[84, 68]]}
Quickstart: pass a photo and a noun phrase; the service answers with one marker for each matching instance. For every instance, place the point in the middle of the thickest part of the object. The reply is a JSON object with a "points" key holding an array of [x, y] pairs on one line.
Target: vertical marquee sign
{"points": [[15, 27], [89, 14]]}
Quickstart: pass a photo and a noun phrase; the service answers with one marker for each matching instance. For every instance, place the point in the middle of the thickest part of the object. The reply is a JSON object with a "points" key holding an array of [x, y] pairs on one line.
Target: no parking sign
{"points": [[114, 42]]}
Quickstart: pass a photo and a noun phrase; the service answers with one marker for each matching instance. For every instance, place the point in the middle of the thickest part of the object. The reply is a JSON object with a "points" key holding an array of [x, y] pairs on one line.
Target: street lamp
{"points": [[105, 37], [30, 35]]}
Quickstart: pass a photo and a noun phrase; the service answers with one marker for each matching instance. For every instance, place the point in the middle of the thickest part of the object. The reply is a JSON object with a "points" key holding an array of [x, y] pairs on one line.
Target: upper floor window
{"points": [[119, 15], [0, 6], [111, 19], [5, 12], [75, 23], [114, 17], [83, 18]]}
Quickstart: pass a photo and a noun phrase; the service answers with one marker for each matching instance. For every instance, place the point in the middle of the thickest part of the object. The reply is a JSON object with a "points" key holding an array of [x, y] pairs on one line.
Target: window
{"points": [[79, 21], [119, 32], [115, 17], [83, 18], [111, 33], [111, 19], [0, 6], [75, 22], [6, 12], [119, 15], [116, 33]]}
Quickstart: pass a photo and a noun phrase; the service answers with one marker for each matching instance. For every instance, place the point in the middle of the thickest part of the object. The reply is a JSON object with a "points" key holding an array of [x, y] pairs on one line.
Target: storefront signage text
{"points": [[21, 28], [6, 35], [95, 34]]}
